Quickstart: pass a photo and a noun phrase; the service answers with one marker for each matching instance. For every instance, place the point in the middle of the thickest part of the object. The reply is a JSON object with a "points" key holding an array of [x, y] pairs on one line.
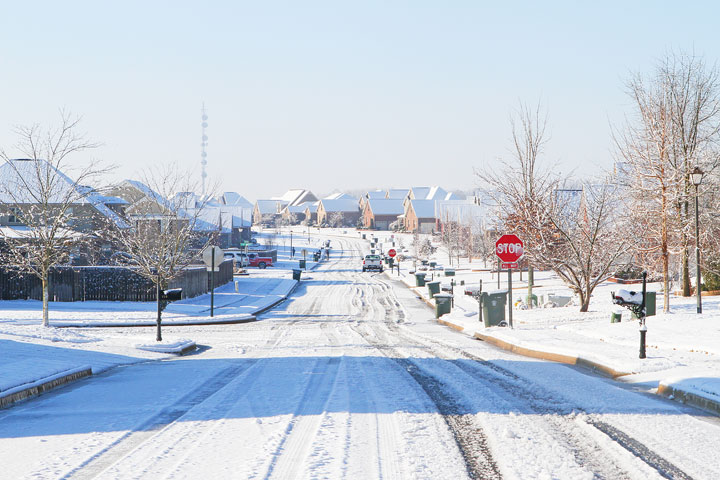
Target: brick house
{"points": [[420, 216], [342, 212], [379, 213]]}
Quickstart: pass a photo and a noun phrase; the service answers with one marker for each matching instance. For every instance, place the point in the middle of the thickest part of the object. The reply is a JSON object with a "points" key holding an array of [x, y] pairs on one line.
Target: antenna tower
{"points": [[203, 144]]}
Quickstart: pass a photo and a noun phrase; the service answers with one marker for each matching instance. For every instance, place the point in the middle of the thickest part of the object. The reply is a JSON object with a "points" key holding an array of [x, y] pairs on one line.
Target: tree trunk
{"points": [[685, 272], [665, 253], [45, 301], [584, 302], [158, 337], [686, 249]]}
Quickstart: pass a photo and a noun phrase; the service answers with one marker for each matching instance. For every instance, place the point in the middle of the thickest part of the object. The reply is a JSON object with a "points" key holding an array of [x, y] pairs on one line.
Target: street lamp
{"points": [[696, 177]]}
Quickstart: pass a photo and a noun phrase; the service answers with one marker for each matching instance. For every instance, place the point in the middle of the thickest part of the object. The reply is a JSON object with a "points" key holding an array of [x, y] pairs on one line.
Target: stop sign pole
{"points": [[509, 248]]}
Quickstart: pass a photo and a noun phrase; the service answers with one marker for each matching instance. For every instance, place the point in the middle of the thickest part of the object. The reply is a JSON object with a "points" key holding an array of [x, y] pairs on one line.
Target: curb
{"points": [[689, 398], [44, 385], [245, 319], [555, 357]]}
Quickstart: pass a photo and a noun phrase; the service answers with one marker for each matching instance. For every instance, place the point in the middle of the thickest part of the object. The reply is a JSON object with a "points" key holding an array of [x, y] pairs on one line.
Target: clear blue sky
{"points": [[335, 94]]}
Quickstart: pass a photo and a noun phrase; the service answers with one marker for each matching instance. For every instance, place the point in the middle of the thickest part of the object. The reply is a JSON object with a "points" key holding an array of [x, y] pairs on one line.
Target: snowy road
{"points": [[351, 378]]}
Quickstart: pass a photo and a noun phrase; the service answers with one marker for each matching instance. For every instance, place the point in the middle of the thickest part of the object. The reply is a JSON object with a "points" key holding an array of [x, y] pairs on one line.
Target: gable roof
{"points": [[419, 193], [386, 206], [21, 178], [423, 208], [297, 197], [338, 196], [311, 207], [340, 205], [269, 206], [376, 194], [397, 193], [235, 199]]}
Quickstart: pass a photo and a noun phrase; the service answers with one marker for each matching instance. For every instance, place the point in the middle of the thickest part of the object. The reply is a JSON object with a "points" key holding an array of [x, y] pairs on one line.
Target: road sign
{"points": [[509, 248], [207, 256], [392, 253], [508, 266]]}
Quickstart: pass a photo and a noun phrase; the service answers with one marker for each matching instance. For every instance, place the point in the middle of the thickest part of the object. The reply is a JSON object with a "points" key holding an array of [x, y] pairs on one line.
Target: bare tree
{"points": [[336, 219], [167, 232], [583, 241], [675, 127], [37, 194], [577, 240]]}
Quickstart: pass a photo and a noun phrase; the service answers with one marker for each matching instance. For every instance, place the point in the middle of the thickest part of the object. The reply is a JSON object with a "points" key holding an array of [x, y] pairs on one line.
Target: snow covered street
{"points": [[351, 377]]}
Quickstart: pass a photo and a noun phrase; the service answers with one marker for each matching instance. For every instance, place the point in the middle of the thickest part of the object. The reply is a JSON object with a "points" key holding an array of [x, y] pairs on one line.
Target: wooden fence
{"points": [[78, 284]]}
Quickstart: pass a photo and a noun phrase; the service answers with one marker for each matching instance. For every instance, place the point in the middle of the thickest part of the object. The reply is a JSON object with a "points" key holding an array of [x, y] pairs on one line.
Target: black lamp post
{"points": [[696, 178]]}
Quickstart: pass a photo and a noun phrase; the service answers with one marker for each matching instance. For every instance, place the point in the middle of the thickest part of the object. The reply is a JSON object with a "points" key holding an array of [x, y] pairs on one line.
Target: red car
{"points": [[254, 260]]}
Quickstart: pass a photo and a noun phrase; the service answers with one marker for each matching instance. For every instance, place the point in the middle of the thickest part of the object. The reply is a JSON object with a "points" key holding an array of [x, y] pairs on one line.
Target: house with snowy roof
{"points": [[234, 199], [371, 194], [295, 214], [420, 216], [268, 212], [296, 197], [24, 181], [311, 213], [380, 213], [338, 196], [398, 193], [147, 206], [338, 213]]}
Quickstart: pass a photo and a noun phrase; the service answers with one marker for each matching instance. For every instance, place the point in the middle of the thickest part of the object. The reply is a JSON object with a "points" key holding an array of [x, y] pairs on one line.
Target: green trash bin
{"points": [[433, 264], [296, 274], [493, 306], [419, 279], [449, 272], [616, 317], [433, 288], [424, 262], [302, 264], [443, 304], [363, 236], [531, 298], [650, 304]]}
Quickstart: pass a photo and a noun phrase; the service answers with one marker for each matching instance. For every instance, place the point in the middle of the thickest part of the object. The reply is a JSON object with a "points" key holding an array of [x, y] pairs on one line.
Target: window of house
{"points": [[14, 216]]}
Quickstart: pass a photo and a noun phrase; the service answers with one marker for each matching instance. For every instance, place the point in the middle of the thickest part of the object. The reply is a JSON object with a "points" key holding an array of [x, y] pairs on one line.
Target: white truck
{"points": [[372, 262]]}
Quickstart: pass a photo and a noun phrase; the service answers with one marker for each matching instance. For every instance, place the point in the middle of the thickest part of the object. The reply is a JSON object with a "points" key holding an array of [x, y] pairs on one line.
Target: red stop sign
{"points": [[392, 253], [509, 248]]}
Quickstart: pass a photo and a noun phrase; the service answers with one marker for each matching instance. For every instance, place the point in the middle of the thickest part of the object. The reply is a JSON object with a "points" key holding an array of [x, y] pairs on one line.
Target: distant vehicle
{"points": [[372, 262], [240, 259], [248, 259], [258, 261]]}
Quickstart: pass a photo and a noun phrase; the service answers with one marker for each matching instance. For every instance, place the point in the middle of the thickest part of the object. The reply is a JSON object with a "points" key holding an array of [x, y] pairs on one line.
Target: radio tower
{"points": [[203, 154]]}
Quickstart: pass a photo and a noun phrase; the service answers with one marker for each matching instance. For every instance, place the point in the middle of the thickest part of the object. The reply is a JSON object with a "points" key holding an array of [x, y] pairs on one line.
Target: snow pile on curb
{"points": [[177, 347]]}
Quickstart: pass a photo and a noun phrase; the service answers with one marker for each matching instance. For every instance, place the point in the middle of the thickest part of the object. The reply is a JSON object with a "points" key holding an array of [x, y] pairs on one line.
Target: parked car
{"points": [[240, 259], [243, 259], [256, 260], [372, 262]]}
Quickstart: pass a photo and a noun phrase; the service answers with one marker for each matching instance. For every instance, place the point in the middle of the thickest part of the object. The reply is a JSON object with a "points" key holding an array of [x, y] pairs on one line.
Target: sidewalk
{"points": [[683, 349], [37, 359]]}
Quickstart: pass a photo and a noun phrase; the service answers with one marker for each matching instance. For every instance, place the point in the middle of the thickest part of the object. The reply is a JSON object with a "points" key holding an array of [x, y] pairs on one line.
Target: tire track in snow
{"points": [[294, 449], [131, 440], [468, 435], [151, 427]]}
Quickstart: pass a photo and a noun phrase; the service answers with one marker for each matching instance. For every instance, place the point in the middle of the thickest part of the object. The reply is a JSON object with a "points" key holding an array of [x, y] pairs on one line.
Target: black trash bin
{"points": [[433, 288], [493, 306], [296, 274], [443, 304], [302, 264]]}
